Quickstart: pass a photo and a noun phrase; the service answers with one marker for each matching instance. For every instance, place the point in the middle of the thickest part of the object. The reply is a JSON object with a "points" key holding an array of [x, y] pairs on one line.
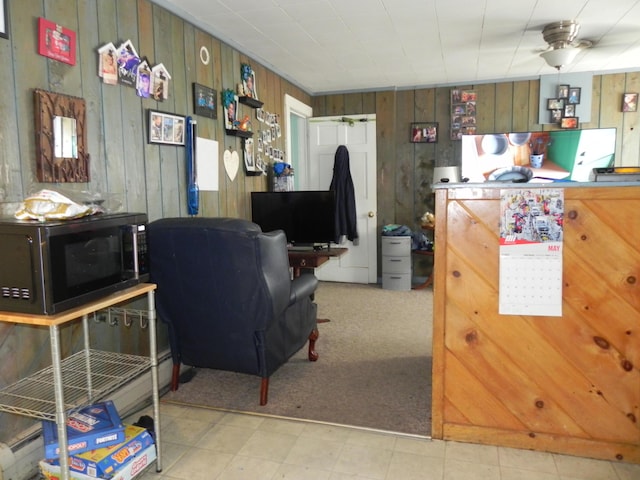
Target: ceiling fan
{"points": [[563, 45]]}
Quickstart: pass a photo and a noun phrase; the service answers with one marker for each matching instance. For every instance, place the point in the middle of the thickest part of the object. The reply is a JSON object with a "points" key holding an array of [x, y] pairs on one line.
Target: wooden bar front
{"points": [[568, 384]]}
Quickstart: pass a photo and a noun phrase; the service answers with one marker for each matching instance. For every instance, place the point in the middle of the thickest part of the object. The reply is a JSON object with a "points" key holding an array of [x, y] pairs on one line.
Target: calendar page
{"points": [[531, 230]]}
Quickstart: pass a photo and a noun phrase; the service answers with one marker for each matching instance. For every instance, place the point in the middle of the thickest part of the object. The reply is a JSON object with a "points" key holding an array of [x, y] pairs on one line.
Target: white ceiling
{"points": [[330, 46]]}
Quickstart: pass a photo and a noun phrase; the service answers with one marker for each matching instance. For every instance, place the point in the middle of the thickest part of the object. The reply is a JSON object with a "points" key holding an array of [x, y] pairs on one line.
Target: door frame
{"points": [[296, 107]]}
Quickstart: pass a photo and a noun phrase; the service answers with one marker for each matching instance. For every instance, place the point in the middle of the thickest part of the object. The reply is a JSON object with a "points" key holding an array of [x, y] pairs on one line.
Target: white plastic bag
{"points": [[51, 205]]}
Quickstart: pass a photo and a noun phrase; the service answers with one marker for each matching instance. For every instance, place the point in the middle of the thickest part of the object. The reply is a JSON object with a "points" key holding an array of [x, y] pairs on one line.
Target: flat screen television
{"points": [[307, 217]]}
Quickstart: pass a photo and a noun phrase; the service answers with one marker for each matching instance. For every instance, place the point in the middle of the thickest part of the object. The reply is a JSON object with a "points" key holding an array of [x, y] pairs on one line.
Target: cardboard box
{"points": [[94, 426], [104, 462], [130, 470]]}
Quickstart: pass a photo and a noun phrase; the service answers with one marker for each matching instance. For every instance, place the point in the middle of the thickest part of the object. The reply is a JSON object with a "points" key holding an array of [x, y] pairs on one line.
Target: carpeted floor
{"points": [[374, 368]]}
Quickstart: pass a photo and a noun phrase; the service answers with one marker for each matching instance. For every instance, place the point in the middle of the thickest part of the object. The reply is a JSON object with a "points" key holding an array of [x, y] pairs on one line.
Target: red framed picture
{"points": [[57, 42]]}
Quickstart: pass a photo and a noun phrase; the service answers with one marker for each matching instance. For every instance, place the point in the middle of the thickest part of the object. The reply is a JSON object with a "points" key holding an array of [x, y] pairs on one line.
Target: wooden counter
{"points": [[568, 384]]}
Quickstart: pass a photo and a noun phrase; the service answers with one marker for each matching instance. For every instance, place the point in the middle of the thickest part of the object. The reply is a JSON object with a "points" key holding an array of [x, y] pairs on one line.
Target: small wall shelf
{"points": [[239, 133], [251, 102]]}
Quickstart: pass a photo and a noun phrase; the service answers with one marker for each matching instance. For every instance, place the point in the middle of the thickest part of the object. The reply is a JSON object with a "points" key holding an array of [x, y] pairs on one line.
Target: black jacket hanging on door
{"points": [[342, 184]]}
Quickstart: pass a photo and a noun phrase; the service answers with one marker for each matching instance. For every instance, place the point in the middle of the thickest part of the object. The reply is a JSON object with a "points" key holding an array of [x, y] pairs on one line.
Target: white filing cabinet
{"points": [[396, 262]]}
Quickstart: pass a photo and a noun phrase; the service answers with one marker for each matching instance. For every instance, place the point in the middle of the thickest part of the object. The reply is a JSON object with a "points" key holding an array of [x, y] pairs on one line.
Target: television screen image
{"points": [[555, 155], [307, 217]]}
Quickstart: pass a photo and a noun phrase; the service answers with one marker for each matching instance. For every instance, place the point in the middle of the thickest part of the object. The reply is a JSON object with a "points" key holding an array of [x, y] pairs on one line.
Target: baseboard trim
{"points": [[20, 461]]}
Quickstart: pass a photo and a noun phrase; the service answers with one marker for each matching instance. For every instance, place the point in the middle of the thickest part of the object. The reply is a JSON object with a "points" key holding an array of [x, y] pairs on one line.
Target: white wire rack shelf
{"points": [[88, 375]]}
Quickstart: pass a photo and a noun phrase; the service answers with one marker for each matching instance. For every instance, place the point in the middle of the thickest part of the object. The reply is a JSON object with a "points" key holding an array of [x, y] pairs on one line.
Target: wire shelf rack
{"points": [[87, 376]]}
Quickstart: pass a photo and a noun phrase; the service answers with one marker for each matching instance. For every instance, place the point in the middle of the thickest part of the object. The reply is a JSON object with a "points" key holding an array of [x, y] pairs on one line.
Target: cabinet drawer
{"points": [[396, 246], [396, 281], [396, 264]]}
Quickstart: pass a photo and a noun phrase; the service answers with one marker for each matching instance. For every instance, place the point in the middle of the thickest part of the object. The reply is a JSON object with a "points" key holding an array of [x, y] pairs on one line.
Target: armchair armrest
{"points": [[303, 286]]}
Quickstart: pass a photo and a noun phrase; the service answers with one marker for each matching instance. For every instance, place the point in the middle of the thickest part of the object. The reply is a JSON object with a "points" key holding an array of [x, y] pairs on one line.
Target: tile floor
{"points": [[205, 444]]}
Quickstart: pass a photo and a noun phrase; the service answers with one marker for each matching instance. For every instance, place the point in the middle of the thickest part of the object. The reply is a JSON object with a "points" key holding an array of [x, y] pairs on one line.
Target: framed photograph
{"points": [[166, 128], [249, 157], [563, 91], [230, 107], [569, 122], [556, 116], [57, 42], [425, 132], [248, 81], [204, 101], [555, 103], [574, 95], [4, 19], [569, 111], [630, 102]]}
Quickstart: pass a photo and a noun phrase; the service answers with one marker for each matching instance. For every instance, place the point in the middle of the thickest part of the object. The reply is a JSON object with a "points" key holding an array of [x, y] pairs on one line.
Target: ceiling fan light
{"points": [[560, 57]]}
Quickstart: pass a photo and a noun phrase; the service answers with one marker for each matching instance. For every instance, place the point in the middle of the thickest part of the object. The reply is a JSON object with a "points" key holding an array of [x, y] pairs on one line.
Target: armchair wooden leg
{"points": [[175, 377], [313, 336], [264, 391]]}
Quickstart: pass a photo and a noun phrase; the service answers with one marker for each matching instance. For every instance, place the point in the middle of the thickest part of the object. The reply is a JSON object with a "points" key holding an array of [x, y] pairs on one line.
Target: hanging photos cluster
{"points": [[562, 108], [122, 65], [463, 113], [268, 133]]}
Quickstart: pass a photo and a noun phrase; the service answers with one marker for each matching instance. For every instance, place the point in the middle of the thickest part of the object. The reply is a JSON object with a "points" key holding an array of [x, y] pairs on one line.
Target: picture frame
{"points": [[248, 81], [4, 18], [56, 42], [424, 132], [556, 116], [630, 102], [230, 108], [569, 122], [166, 128], [563, 91], [574, 95], [205, 101], [569, 111], [555, 103]]}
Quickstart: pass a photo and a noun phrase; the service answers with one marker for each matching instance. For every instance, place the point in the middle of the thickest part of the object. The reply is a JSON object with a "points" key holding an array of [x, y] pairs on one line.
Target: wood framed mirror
{"points": [[60, 122]]}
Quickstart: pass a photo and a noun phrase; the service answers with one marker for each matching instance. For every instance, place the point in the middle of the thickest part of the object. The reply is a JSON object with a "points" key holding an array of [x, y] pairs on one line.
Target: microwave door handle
{"points": [[136, 267]]}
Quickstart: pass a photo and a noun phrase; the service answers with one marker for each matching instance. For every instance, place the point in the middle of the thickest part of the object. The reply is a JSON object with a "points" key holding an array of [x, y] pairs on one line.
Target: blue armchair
{"points": [[226, 294]]}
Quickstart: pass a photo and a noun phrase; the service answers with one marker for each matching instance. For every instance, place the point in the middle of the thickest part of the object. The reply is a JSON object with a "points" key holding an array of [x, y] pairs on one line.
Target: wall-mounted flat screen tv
{"points": [[307, 217], [567, 155]]}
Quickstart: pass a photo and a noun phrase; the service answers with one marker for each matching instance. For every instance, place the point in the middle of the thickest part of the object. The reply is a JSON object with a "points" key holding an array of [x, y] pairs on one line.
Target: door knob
{"points": [[371, 214]]}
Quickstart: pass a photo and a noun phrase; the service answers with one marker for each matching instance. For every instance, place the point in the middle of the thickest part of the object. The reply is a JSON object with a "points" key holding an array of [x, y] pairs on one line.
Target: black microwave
{"points": [[52, 266]]}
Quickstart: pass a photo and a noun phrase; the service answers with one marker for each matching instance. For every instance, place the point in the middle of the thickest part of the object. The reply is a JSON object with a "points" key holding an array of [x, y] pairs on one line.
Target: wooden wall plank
{"points": [[403, 161], [520, 106], [504, 107], [11, 189], [385, 135]]}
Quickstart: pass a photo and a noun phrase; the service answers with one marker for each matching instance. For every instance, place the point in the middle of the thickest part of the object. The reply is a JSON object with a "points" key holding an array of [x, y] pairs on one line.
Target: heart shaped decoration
{"points": [[231, 164]]}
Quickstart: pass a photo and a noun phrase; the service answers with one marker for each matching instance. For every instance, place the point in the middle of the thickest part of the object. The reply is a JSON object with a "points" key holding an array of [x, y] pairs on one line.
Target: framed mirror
{"points": [[60, 121]]}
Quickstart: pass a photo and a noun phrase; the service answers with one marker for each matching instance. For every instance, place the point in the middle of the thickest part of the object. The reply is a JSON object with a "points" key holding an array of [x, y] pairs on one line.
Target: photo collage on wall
{"points": [[563, 108], [269, 131], [463, 113], [123, 66]]}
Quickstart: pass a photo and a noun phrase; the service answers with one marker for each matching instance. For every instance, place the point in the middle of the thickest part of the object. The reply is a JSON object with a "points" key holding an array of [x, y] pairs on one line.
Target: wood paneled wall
{"points": [[405, 170], [124, 168]]}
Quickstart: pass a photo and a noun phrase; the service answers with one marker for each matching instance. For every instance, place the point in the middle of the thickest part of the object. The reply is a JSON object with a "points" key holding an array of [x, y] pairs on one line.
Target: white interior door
{"points": [[358, 134]]}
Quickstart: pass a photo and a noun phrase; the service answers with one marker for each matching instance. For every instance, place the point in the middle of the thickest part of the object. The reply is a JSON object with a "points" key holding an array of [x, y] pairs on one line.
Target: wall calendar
{"points": [[531, 231]]}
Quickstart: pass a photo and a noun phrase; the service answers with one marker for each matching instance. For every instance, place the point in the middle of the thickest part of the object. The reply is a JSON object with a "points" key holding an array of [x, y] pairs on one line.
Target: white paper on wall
{"points": [[207, 164], [531, 240]]}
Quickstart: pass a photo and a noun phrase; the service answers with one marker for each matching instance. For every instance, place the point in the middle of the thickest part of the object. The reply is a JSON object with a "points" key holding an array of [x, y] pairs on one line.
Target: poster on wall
{"points": [[463, 113], [531, 239]]}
